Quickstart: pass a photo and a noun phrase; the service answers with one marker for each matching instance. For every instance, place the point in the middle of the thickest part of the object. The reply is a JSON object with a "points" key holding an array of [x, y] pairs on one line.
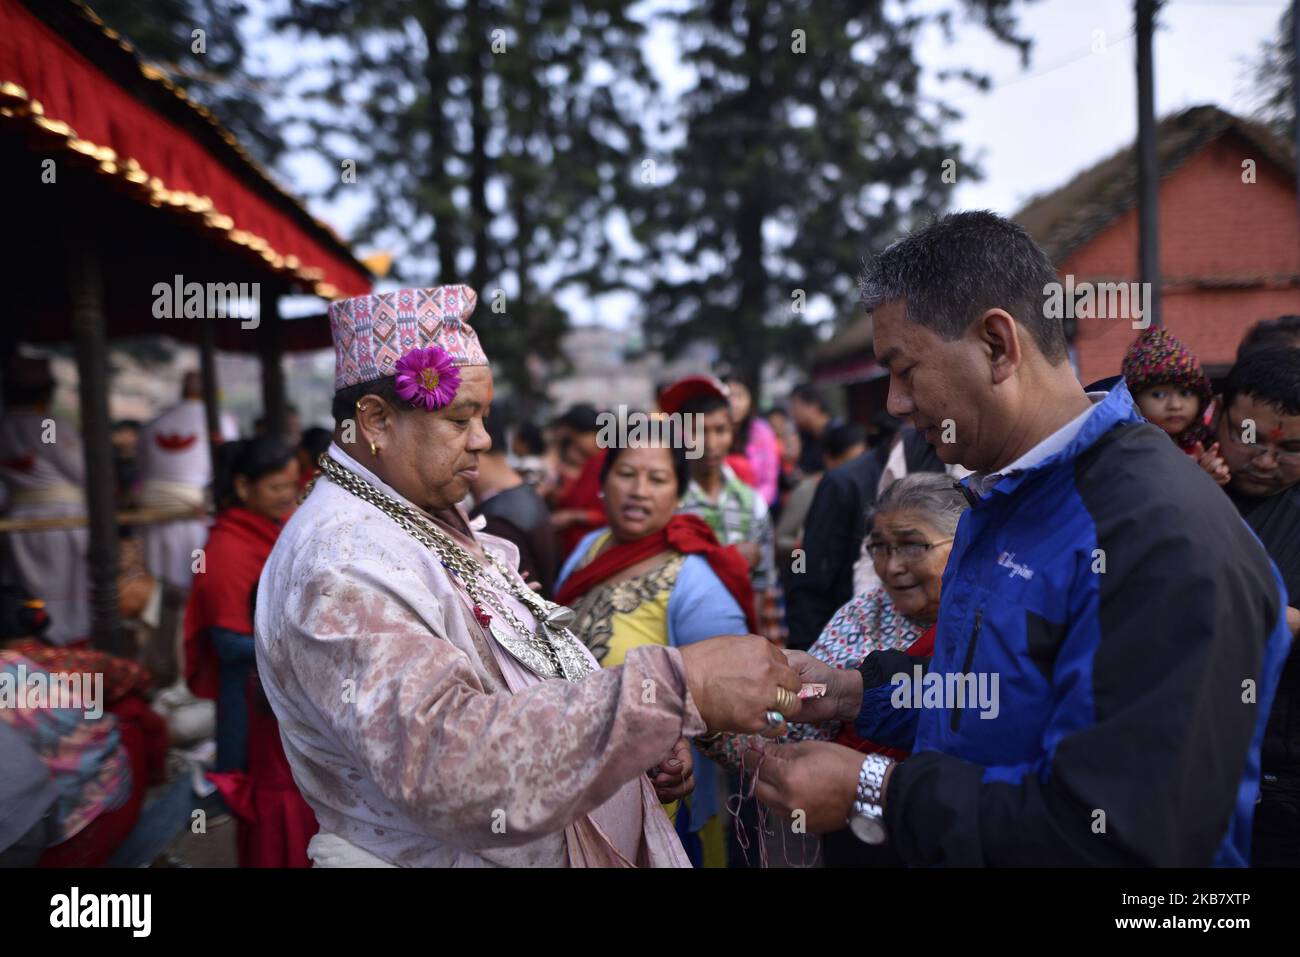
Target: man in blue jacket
{"points": [[1110, 633]]}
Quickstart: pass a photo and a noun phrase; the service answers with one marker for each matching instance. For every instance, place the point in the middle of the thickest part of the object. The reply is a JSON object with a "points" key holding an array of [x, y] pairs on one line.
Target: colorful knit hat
{"points": [[1157, 357], [372, 333]]}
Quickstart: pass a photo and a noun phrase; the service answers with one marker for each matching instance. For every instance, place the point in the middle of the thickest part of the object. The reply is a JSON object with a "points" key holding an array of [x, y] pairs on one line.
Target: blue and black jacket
{"points": [[1137, 631]]}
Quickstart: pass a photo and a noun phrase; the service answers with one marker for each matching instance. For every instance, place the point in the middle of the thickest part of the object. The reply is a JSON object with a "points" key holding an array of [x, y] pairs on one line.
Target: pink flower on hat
{"points": [[427, 377]]}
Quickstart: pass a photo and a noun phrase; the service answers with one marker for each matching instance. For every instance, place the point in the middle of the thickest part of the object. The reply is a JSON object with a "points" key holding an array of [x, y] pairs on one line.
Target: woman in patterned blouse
{"points": [[911, 535], [912, 529]]}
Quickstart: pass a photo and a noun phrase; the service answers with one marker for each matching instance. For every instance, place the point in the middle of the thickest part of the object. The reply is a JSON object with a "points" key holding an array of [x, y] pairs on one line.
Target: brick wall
{"points": [[1213, 229]]}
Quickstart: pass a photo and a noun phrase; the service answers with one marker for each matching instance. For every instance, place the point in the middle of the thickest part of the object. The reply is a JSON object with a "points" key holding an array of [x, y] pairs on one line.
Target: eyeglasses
{"points": [[1235, 431], [909, 551]]}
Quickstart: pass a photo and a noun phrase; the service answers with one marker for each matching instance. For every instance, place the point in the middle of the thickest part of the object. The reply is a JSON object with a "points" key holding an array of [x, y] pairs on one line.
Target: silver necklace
{"points": [[550, 650]]}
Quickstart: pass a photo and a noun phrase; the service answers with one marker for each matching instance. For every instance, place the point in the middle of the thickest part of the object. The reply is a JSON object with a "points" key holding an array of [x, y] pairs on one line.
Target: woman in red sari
{"points": [[257, 484]]}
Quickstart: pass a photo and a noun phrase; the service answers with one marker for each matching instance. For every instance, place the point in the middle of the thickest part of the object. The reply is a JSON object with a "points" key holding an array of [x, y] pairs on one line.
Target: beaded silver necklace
{"points": [[549, 650]]}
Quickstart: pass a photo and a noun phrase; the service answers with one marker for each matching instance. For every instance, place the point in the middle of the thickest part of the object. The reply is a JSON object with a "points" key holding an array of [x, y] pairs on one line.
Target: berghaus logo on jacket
{"points": [[1008, 560]]}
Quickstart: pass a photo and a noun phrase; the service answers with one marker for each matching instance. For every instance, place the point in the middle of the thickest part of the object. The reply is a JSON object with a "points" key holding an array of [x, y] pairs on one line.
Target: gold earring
{"points": [[373, 450]]}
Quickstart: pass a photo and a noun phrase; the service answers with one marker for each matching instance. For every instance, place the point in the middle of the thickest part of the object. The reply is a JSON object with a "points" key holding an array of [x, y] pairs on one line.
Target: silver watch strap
{"points": [[871, 785]]}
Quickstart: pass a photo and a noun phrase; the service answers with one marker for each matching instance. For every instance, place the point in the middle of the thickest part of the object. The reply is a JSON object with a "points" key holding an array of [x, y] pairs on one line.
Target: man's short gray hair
{"points": [[951, 272], [933, 495]]}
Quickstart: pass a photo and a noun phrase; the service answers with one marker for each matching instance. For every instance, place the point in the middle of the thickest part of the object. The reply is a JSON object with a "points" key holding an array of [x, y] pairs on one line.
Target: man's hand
{"points": [[675, 776], [816, 779], [843, 698], [734, 681], [1293, 621]]}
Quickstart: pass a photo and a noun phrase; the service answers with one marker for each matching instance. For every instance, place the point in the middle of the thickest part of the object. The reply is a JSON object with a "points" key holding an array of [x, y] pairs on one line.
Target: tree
{"points": [[210, 64], [807, 142], [1275, 76], [493, 138]]}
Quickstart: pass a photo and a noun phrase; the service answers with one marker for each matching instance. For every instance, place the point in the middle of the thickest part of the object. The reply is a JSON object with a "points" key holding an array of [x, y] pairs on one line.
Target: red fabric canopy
{"points": [[158, 158]]}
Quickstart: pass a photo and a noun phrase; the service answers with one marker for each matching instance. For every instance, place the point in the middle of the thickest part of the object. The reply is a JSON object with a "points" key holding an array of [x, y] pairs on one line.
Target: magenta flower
{"points": [[427, 377]]}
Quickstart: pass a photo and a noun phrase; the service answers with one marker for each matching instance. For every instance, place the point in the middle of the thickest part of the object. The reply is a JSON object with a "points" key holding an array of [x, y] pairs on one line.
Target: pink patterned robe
{"points": [[417, 738]]}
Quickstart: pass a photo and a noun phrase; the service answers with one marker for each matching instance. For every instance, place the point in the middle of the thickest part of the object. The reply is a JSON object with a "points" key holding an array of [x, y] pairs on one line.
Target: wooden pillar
{"points": [[208, 372], [85, 282], [270, 349], [1295, 91]]}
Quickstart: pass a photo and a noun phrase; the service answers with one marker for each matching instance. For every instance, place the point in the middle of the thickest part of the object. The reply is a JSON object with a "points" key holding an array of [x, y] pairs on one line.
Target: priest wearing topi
{"points": [[434, 709]]}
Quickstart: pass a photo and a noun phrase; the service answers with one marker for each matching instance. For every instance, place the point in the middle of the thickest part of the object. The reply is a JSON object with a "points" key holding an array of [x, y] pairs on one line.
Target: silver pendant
{"points": [[526, 653], [560, 617]]}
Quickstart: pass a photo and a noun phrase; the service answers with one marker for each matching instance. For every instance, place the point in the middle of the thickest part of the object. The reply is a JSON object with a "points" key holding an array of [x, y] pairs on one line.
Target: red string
{"points": [[737, 801]]}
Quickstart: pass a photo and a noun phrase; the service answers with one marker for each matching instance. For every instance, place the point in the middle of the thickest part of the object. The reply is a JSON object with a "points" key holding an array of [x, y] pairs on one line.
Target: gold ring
{"points": [[785, 699]]}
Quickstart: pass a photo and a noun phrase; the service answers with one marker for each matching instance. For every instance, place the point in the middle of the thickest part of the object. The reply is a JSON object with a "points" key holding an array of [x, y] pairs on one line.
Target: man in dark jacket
{"points": [[1110, 633], [1261, 403], [833, 533]]}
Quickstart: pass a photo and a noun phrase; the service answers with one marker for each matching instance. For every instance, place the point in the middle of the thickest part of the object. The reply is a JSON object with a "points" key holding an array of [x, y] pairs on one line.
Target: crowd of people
{"points": [[116, 789], [438, 634]]}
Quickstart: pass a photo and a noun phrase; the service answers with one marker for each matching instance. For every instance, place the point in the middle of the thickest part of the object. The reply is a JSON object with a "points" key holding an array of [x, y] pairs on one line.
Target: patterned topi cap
{"points": [[371, 333]]}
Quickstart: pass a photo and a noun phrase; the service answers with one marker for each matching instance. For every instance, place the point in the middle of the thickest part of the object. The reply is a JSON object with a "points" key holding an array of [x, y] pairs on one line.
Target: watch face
{"points": [[868, 829]]}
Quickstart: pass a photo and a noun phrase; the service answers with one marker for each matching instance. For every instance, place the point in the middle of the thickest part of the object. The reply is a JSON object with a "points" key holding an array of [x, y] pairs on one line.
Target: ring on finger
{"points": [[785, 699]]}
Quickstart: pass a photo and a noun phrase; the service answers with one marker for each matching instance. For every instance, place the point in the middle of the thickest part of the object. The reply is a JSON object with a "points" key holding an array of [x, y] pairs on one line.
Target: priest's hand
{"points": [[814, 782], [843, 698], [675, 776], [735, 679]]}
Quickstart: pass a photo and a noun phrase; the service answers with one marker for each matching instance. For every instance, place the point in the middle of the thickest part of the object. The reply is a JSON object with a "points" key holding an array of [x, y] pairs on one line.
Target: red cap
{"points": [[673, 397]]}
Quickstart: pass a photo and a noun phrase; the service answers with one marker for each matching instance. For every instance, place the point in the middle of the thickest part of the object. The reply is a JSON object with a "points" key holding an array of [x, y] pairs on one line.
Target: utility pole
{"points": [[1295, 92], [1148, 160]]}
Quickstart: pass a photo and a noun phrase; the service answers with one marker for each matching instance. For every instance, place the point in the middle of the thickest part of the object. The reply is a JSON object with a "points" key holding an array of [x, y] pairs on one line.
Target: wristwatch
{"points": [[867, 819]]}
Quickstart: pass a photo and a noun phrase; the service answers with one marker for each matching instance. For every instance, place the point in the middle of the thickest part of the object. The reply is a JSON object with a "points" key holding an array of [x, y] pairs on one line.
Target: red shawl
{"points": [[687, 534], [237, 548], [122, 676], [275, 823], [923, 647]]}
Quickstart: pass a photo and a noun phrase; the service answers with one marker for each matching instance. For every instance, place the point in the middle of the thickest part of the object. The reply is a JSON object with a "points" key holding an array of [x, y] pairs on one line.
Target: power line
{"points": [[1059, 64]]}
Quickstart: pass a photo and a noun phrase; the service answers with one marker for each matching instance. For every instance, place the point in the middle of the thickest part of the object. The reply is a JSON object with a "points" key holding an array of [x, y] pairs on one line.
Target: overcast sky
{"points": [[1072, 107], [1075, 103]]}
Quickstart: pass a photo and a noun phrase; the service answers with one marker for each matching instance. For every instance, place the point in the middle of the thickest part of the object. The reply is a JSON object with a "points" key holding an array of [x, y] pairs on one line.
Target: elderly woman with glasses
{"points": [[911, 535]]}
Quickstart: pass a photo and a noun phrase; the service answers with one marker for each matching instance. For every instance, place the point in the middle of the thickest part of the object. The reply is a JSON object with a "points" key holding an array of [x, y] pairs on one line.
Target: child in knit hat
{"points": [[1172, 391]]}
